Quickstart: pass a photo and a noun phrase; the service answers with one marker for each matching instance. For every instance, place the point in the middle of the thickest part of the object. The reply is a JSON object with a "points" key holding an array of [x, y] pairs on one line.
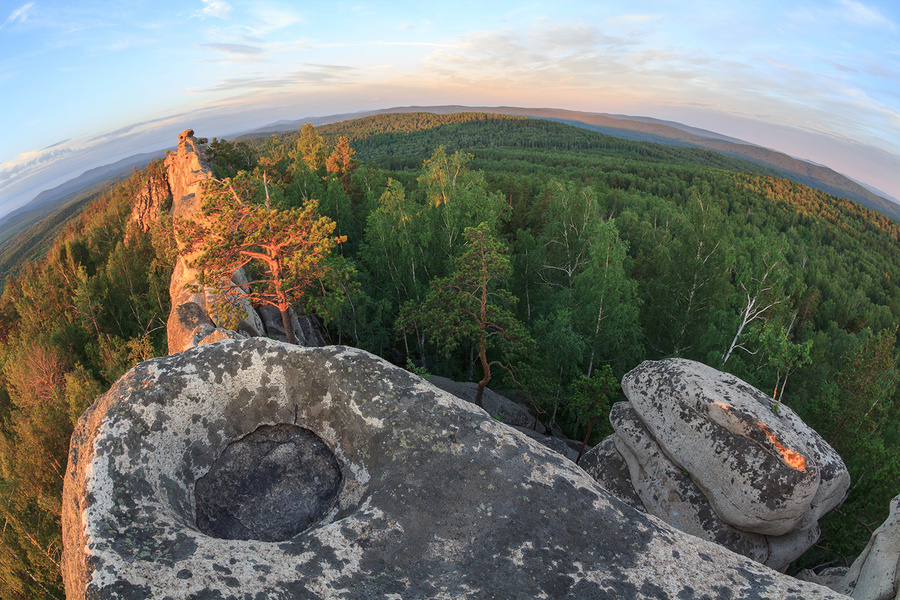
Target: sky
{"points": [[84, 83]]}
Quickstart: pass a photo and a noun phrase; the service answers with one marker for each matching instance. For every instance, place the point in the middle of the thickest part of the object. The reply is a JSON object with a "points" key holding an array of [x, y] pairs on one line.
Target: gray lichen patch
{"points": [[269, 485]]}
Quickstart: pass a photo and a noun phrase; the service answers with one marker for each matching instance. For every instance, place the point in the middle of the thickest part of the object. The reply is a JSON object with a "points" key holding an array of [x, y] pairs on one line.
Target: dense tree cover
{"points": [[70, 325], [603, 253]]}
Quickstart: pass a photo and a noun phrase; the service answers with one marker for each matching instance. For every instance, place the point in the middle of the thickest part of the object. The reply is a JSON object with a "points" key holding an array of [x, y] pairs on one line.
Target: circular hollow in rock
{"points": [[269, 485]]}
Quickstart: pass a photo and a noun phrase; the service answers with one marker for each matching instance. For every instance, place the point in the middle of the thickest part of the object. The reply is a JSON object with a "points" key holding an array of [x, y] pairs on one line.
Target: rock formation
{"points": [[511, 413], [195, 319], [435, 498], [875, 574], [153, 198], [712, 456]]}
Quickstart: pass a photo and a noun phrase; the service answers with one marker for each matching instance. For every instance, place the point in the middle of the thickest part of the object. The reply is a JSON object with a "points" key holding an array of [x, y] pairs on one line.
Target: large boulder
{"points": [[194, 306], [762, 469], [608, 468], [305, 329], [500, 407], [435, 499], [668, 492]]}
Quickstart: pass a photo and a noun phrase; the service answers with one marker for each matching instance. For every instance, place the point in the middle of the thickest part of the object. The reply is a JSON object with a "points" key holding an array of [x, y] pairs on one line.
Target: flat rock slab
{"points": [[437, 499], [762, 471]]}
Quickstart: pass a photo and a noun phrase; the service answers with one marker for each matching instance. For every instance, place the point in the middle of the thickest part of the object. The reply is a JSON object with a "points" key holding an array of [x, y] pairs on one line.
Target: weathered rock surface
{"points": [[874, 574], [554, 443], [762, 472], [193, 307], [187, 170], [269, 485], [151, 200], [695, 439], [500, 407], [437, 499], [307, 332], [668, 492], [604, 463], [509, 412]]}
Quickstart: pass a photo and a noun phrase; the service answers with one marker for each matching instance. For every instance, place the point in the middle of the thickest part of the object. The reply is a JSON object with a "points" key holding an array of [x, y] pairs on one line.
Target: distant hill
{"points": [[646, 129], [58, 197], [24, 231], [27, 232]]}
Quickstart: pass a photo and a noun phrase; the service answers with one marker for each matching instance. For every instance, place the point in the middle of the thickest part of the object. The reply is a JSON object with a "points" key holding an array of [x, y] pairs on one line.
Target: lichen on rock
{"points": [[437, 500]]}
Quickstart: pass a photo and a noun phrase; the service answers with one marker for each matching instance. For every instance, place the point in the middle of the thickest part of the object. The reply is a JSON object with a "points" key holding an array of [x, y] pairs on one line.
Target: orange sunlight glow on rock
{"points": [[793, 459]]}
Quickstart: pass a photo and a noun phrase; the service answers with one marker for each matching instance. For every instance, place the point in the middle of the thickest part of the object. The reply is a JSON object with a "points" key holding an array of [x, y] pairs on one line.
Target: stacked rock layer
{"points": [[193, 320], [716, 458]]}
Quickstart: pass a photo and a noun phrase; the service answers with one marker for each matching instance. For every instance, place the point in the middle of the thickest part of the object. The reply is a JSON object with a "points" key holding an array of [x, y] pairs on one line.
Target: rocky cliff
{"points": [[195, 318], [153, 199]]}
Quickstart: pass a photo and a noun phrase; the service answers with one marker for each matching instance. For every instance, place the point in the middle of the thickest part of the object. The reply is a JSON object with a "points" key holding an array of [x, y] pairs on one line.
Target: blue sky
{"points": [[84, 83]]}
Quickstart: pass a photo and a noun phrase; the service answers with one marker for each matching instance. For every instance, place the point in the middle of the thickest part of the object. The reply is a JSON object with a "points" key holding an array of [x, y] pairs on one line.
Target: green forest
{"points": [[585, 254]]}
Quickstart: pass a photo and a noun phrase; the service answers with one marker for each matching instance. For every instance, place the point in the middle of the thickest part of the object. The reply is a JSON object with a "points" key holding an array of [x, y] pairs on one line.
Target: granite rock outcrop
{"points": [[152, 200], [435, 499], [187, 171], [715, 457]]}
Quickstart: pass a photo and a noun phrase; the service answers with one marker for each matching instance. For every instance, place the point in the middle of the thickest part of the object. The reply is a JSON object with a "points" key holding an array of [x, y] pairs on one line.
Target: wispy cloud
{"points": [[243, 51], [316, 75], [18, 15], [32, 161], [216, 8], [265, 19], [864, 14], [632, 20]]}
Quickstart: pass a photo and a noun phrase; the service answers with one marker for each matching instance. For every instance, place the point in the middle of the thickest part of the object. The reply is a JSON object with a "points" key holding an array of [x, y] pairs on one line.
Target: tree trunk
{"points": [[289, 333], [481, 385], [587, 436]]}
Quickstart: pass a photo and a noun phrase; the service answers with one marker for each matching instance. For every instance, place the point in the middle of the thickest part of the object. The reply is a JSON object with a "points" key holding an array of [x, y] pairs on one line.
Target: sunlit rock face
{"points": [[712, 456], [151, 201], [427, 496], [187, 171]]}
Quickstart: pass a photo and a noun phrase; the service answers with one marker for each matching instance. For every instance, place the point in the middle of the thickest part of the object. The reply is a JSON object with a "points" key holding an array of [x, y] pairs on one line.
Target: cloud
{"points": [[216, 8], [317, 75], [843, 12], [18, 15], [265, 19], [632, 20], [32, 161], [235, 50], [866, 15]]}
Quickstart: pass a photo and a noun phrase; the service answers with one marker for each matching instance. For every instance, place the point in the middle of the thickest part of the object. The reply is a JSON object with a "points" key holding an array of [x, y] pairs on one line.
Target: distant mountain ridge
{"points": [[648, 129], [34, 210], [640, 129]]}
